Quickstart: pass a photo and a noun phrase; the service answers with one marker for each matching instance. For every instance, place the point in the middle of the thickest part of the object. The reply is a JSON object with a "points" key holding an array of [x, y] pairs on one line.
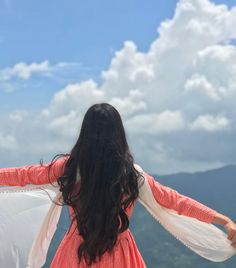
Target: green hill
{"points": [[215, 188]]}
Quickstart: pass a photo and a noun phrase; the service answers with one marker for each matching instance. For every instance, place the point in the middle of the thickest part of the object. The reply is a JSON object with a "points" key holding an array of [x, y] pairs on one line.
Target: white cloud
{"points": [[131, 104], [24, 71], [200, 84], [214, 72], [129, 69], [7, 142], [177, 99], [74, 96], [210, 123], [65, 111], [18, 115], [166, 121]]}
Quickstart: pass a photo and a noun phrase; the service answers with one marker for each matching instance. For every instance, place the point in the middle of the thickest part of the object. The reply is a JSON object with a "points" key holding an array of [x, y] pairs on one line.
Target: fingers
{"points": [[231, 234], [233, 244], [231, 230], [232, 237], [233, 240]]}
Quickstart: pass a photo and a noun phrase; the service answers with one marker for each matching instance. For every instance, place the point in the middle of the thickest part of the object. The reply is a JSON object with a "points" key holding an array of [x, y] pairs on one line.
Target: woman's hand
{"points": [[228, 224], [230, 227]]}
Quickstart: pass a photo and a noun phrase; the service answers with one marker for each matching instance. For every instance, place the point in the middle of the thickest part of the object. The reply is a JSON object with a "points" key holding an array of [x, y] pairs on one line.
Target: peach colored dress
{"points": [[125, 253]]}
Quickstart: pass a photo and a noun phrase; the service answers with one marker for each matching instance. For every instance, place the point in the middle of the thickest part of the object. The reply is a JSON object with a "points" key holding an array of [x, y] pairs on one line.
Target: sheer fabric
{"points": [[28, 220], [203, 238]]}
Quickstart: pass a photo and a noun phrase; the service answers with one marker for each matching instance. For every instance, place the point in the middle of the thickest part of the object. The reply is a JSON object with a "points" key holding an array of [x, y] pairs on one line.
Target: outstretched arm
{"points": [[187, 206], [184, 205], [32, 174]]}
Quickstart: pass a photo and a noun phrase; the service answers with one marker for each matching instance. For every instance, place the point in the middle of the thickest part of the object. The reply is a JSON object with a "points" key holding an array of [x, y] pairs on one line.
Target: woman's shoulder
{"points": [[138, 168]]}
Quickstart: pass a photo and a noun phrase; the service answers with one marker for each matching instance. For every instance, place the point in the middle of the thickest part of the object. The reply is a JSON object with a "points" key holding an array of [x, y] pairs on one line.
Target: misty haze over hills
{"points": [[215, 188]]}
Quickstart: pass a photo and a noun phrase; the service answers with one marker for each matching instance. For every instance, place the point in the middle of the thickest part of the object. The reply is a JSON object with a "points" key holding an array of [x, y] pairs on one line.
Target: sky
{"points": [[169, 67]]}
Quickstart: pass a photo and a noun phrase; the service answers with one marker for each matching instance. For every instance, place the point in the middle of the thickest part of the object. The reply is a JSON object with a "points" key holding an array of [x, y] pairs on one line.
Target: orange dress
{"points": [[125, 253]]}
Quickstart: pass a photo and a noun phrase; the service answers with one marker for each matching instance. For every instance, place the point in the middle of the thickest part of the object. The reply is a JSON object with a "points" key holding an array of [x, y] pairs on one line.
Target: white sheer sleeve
{"points": [[203, 238]]}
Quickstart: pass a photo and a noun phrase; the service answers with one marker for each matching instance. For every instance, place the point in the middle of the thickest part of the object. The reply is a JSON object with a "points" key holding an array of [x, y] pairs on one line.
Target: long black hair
{"points": [[108, 181]]}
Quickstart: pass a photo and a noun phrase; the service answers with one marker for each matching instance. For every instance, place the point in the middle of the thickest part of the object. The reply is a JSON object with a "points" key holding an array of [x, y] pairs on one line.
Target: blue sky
{"points": [[49, 50], [86, 32]]}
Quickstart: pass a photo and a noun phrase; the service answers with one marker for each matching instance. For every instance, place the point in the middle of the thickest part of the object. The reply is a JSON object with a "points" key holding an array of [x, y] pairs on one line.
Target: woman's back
{"points": [[124, 254]]}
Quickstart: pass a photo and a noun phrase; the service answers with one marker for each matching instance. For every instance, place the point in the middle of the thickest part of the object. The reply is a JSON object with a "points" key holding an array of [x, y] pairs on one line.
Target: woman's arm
{"points": [[187, 206], [184, 205], [220, 219], [229, 226], [32, 174]]}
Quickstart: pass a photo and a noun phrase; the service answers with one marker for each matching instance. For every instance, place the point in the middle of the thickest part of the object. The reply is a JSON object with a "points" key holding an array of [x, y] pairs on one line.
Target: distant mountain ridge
{"points": [[224, 168], [215, 188], [229, 170]]}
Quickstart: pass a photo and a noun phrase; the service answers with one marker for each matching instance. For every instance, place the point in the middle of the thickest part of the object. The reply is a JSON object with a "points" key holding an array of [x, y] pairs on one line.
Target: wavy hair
{"points": [[108, 181]]}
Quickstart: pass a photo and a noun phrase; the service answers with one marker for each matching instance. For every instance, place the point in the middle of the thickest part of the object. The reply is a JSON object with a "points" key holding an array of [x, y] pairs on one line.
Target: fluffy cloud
{"points": [[24, 71], [200, 84], [166, 121], [177, 99], [214, 72], [129, 104], [7, 142], [210, 123], [74, 96], [18, 115]]}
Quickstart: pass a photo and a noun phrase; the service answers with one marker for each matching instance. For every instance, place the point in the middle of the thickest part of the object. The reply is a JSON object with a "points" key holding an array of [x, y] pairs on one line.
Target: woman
{"points": [[100, 183]]}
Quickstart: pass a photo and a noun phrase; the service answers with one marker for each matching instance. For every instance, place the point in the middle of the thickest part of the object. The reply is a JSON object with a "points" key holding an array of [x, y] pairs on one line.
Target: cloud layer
{"points": [[177, 100]]}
